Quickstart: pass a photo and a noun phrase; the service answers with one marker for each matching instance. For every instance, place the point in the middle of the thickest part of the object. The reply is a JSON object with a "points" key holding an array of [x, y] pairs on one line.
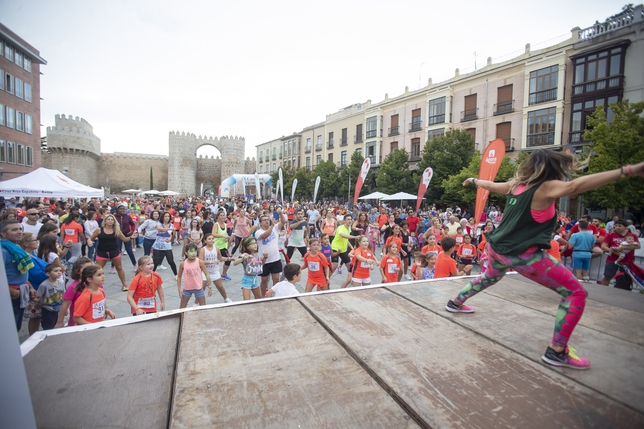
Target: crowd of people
{"points": [[390, 244]]}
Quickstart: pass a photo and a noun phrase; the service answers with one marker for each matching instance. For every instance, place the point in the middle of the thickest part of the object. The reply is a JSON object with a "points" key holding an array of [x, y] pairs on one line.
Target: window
{"points": [[3, 151], [343, 159], [20, 152], [2, 116], [274, 153], [281, 150], [11, 155], [330, 142], [394, 129], [472, 132], [598, 71], [505, 103], [11, 117], [30, 156], [504, 132], [541, 127], [431, 134], [18, 59], [260, 169], [308, 162], [580, 110], [308, 145], [393, 146], [415, 148], [319, 146], [371, 152], [19, 88], [543, 85], [372, 127], [358, 138], [437, 111], [359, 150], [8, 51], [330, 157], [8, 83], [274, 167], [471, 111], [261, 156], [416, 120], [27, 65], [344, 140], [20, 121], [318, 159], [1, 79], [27, 92]]}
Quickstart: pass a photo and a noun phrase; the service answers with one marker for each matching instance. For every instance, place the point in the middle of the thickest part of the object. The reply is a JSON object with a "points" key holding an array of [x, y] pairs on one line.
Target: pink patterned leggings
{"points": [[536, 265]]}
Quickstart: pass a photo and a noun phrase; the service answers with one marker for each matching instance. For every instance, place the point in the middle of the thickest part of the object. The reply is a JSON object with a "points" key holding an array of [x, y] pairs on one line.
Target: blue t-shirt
{"points": [[14, 277], [583, 243]]}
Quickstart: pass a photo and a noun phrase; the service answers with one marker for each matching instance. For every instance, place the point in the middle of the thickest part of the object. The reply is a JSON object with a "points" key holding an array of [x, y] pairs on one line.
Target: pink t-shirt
{"points": [[71, 295], [191, 275], [540, 216]]}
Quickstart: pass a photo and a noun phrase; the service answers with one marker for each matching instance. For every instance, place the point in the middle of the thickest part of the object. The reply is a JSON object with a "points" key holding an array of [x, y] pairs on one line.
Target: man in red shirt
{"points": [[613, 246], [412, 221], [597, 251], [601, 233]]}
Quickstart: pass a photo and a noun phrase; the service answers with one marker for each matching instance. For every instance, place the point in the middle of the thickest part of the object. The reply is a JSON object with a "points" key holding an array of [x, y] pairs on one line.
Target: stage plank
{"points": [[453, 377], [105, 378], [617, 364], [271, 365]]}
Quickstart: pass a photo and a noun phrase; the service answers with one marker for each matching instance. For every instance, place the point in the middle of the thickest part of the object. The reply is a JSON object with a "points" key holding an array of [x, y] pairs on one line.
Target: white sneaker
{"points": [[228, 300], [136, 268], [161, 267], [407, 276]]}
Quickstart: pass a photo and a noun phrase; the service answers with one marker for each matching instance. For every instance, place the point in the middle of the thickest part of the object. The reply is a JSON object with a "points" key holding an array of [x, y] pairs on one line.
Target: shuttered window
{"points": [[504, 130]]}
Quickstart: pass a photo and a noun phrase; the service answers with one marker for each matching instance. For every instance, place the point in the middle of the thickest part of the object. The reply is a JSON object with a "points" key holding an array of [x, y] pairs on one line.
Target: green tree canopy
{"points": [[614, 144], [446, 155], [329, 183], [394, 174]]}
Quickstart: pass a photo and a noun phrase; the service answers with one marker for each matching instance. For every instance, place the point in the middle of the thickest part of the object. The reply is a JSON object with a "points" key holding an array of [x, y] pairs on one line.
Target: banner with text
{"points": [[490, 164]]}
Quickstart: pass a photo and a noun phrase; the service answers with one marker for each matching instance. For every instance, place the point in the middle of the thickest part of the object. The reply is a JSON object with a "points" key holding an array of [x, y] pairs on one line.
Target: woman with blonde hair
{"points": [[525, 231]]}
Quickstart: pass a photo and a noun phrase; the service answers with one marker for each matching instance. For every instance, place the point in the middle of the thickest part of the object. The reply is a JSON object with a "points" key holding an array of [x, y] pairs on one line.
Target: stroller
{"points": [[630, 277]]}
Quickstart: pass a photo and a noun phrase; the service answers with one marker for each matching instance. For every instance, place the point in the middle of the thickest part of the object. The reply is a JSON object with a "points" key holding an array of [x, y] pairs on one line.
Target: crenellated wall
{"points": [[132, 171]]}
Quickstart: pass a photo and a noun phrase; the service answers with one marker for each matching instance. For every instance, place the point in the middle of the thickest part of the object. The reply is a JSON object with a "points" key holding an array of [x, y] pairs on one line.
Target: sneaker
{"points": [[567, 358], [453, 308], [112, 270], [407, 277], [136, 268], [124, 288], [340, 269], [225, 277], [228, 300], [162, 267]]}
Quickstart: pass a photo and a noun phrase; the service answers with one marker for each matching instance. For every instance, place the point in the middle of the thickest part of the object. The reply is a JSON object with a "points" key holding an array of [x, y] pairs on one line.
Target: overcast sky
{"points": [[136, 70]]}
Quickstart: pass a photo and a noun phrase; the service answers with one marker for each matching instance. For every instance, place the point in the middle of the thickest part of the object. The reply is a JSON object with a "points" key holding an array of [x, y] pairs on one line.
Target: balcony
{"points": [[307, 149], [342, 165], [372, 158], [318, 147], [509, 144], [261, 159], [343, 141], [503, 108], [329, 144], [393, 131], [280, 155], [307, 168], [357, 138], [598, 85], [470, 114], [371, 134], [577, 137], [542, 139], [266, 158], [542, 96], [438, 119], [416, 124], [274, 157], [415, 156]]}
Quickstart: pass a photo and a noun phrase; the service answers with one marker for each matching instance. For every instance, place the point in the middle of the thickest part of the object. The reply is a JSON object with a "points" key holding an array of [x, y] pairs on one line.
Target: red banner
{"points": [[490, 163], [364, 170], [424, 183]]}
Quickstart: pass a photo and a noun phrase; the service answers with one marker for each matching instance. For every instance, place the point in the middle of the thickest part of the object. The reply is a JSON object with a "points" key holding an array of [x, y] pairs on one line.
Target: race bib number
{"points": [[146, 303], [314, 266], [467, 252], [391, 268], [365, 265], [98, 310], [70, 231]]}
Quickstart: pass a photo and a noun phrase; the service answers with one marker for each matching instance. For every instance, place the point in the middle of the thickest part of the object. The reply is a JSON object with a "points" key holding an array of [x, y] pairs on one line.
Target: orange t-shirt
{"points": [[382, 220], [459, 240], [445, 266], [389, 264], [397, 240], [90, 306], [467, 251], [70, 232], [361, 270], [315, 265], [145, 289], [135, 218], [430, 249], [176, 222], [554, 250]]}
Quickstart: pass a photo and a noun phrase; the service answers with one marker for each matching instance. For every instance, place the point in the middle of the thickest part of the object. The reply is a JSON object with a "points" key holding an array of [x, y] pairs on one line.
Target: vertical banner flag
{"points": [[281, 183], [424, 183], [315, 192], [293, 191], [490, 164], [258, 195], [364, 170]]}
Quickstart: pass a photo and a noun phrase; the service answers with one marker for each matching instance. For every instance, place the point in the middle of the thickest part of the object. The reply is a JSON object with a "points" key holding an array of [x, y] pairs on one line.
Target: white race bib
{"points": [[365, 264], [391, 268], [467, 252], [70, 231], [314, 266], [98, 310], [146, 303]]}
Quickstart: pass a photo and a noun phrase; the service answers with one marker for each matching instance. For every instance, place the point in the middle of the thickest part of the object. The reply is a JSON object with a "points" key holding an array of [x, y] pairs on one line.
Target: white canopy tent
{"points": [[168, 193], [400, 196], [151, 192], [132, 191], [45, 183], [374, 196]]}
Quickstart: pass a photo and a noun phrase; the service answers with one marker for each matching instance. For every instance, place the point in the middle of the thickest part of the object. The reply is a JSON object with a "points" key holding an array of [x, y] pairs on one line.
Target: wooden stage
{"points": [[382, 357]]}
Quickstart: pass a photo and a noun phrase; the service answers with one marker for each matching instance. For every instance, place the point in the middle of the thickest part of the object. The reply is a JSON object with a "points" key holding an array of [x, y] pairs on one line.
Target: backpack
{"points": [[37, 273]]}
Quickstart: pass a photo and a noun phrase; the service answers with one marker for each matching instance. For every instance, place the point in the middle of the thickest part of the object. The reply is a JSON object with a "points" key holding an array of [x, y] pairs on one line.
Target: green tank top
{"points": [[518, 231], [220, 243]]}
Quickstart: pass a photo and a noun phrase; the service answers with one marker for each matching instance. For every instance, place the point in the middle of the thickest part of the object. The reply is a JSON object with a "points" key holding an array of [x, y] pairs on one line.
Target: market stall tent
{"points": [[45, 183]]}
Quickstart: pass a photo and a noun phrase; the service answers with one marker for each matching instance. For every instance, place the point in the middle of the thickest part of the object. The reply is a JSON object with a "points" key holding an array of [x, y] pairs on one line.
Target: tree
{"points": [[394, 175], [352, 170], [446, 155], [305, 184], [614, 144], [329, 184]]}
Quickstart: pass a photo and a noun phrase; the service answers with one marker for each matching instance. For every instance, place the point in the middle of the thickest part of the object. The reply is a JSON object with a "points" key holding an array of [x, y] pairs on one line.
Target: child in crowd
{"points": [[429, 269], [293, 274], [50, 293], [417, 267], [318, 266], [192, 268], [144, 287], [466, 252], [582, 244], [628, 240], [374, 235], [390, 266], [459, 238], [253, 266], [325, 247], [70, 296], [431, 246], [445, 265], [363, 262], [195, 235], [90, 306], [176, 223], [210, 255]]}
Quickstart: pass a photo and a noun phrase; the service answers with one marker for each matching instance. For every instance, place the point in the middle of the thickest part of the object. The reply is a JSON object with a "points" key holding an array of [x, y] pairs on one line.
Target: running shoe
{"points": [[454, 308], [124, 288], [228, 300], [340, 269], [112, 270], [162, 267], [225, 277], [567, 358]]}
